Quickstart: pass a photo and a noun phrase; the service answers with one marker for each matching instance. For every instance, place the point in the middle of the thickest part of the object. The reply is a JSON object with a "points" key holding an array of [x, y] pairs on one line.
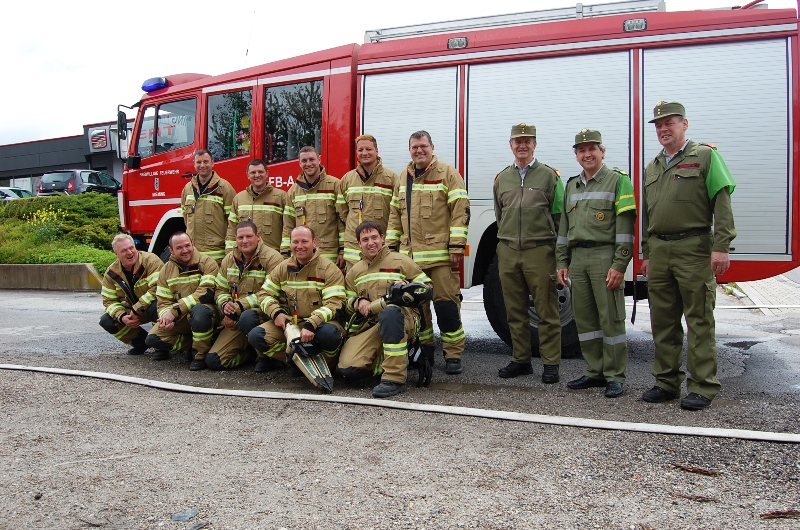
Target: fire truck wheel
{"points": [[496, 313]]}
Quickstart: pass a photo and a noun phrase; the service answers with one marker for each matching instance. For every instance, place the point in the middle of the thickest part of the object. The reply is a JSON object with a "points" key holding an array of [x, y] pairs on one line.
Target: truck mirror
{"points": [[122, 125], [133, 161]]}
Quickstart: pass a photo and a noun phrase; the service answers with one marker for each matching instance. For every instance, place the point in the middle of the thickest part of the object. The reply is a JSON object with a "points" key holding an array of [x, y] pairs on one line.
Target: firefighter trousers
{"points": [[680, 282], [381, 348], [447, 304], [525, 274], [128, 335], [599, 313], [193, 332], [269, 340], [230, 349]]}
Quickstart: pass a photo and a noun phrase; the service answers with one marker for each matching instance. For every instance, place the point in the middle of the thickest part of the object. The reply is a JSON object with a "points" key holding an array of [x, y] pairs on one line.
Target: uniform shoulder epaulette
{"points": [[620, 171], [572, 178], [712, 146], [557, 172], [495, 177]]}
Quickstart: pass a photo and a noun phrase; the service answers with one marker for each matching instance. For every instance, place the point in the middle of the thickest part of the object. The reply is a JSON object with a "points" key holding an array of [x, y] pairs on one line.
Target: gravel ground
{"points": [[81, 453]]}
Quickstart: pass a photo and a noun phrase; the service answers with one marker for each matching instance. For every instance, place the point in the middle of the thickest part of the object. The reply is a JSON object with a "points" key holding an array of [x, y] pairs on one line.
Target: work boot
{"points": [[585, 382], [695, 402], [550, 374], [452, 366], [160, 355], [190, 354], [136, 350], [264, 364], [515, 369], [388, 389], [613, 389], [659, 395], [138, 346], [197, 364]]}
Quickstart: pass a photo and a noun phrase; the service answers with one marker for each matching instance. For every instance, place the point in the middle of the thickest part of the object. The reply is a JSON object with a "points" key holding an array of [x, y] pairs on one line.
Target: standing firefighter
{"points": [[687, 189], [379, 342], [205, 204], [528, 198], [594, 247], [365, 194], [312, 201], [429, 220], [186, 312], [260, 203], [306, 290], [240, 276], [129, 293]]}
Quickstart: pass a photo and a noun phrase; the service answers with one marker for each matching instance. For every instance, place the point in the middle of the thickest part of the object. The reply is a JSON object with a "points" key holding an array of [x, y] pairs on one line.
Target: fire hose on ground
{"points": [[565, 421]]}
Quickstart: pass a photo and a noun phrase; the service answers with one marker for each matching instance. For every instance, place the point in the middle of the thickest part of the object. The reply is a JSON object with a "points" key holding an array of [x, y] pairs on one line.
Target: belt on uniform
{"points": [[591, 244], [683, 235]]}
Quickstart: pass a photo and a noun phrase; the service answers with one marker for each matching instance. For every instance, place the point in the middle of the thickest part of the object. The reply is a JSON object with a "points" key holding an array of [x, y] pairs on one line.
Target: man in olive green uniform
{"points": [[687, 189], [528, 198], [311, 201], [206, 204], [261, 203], [365, 194], [593, 249], [429, 222]]}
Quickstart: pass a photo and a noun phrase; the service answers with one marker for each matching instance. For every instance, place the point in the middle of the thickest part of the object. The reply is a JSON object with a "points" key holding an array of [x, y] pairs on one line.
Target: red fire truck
{"points": [[466, 82]]}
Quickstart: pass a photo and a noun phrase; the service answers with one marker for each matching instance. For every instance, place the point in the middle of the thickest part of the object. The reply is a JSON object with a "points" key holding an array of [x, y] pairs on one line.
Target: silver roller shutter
{"points": [[560, 96], [736, 97], [395, 105]]}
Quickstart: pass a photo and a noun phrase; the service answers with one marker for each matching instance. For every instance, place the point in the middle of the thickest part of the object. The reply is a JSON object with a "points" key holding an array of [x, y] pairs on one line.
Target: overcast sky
{"points": [[66, 64]]}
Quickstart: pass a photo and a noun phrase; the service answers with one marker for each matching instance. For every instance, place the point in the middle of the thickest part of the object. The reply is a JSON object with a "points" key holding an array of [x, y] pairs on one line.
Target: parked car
{"points": [[11, 193], [75, 181]]}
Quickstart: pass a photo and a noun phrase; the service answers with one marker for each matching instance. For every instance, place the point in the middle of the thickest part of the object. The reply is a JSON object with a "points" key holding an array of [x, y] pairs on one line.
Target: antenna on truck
{"points": [[516, 19]]}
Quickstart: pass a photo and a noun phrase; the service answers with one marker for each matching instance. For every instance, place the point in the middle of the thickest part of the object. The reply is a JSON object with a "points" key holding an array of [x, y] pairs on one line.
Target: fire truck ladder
{"points": [[516, 19]]}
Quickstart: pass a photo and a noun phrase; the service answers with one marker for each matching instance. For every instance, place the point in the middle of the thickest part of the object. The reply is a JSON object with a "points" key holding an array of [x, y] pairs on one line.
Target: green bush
{"points": [[101, 259]]}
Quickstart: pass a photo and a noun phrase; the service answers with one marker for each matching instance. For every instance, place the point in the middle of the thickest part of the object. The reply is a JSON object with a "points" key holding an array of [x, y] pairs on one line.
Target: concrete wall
{"points": [[58, 277]]}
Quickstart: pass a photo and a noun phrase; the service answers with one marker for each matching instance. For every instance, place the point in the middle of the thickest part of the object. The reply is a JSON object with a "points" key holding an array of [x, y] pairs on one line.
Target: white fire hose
{"points": [[764, 436]]}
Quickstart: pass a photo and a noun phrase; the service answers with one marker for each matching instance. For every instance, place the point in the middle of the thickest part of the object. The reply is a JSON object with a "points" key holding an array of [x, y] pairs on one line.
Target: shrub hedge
{"points": [[59, 229]]}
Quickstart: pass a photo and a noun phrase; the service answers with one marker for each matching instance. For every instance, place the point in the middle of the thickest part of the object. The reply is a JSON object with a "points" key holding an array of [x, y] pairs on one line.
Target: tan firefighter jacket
{"points": [[120, 297], [206, 214], [265, 209], [439, 215], [316, 207], [365, 197], [240, 282], [181, 288]]}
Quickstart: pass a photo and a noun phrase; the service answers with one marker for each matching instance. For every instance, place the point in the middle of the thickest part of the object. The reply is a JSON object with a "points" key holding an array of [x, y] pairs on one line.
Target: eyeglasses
{"points": [[419, 147]]}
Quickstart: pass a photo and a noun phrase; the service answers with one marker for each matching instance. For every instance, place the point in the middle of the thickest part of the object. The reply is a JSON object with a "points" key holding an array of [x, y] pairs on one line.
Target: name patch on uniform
{"points": [[384, 186], [292, 268], [688, 166], [326, 191], [433, 181], [389, 270], [315, 279]]}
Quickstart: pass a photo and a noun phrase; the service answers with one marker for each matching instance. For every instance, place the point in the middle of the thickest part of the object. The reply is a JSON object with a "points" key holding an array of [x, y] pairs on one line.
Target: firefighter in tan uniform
{"points": [[688, 227], [306, 289], [206, 204], [528, 198], [380, 343], [261, 203], [365, 194], [593, 249], [129, 293], [429, 220], [312, 201], [240, 277], [187, 315]]}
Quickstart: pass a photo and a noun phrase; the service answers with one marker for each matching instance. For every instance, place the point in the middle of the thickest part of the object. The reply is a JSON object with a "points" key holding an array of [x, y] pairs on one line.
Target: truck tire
{"points": [[496, 313]]}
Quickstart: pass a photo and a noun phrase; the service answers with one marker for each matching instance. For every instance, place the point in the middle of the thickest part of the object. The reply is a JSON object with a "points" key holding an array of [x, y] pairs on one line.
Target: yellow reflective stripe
{"points": [[222, 281], [393, 234], [458, 231], [453, 336], [164, 312], [277, 347], [315, 197], [212, 198], [333, 290], [207, 279], [189, 301], [301, 284], [185, 279], [267, 301], [286, 241], [326, 313], [289, 210], [426, 333], [178, 345], [115, 307], [371, 190], [233, 217], [229, 243], [147, 298], [429, 187], [197, 336], [395, 202], [430, 255], [252, 299], [454, 195], [260, 208], [216, 254], [121, 333], [163, 292], [422, 278], [271, 287], [395, 350], [340, 199], [352, 254], [378, 276], [224, 297], [331, 257], [109, 293]]}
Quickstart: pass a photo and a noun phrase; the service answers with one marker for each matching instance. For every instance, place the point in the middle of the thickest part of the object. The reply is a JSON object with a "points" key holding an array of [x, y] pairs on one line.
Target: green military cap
{"points": [[523, 129], [588, 135], [667, 108]]}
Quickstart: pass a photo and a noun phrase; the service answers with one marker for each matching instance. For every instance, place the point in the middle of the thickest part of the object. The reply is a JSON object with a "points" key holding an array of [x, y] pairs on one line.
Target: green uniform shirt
{"points": [[692, 192], [601, 211], [528, 210]]}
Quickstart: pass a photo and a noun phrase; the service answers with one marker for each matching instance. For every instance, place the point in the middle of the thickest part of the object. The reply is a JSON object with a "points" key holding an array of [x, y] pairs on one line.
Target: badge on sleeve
{"points": [[625, 252]]}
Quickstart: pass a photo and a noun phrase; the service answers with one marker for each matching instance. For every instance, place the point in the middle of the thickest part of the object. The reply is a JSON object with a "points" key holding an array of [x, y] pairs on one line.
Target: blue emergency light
{"points": [[154, 83]]}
